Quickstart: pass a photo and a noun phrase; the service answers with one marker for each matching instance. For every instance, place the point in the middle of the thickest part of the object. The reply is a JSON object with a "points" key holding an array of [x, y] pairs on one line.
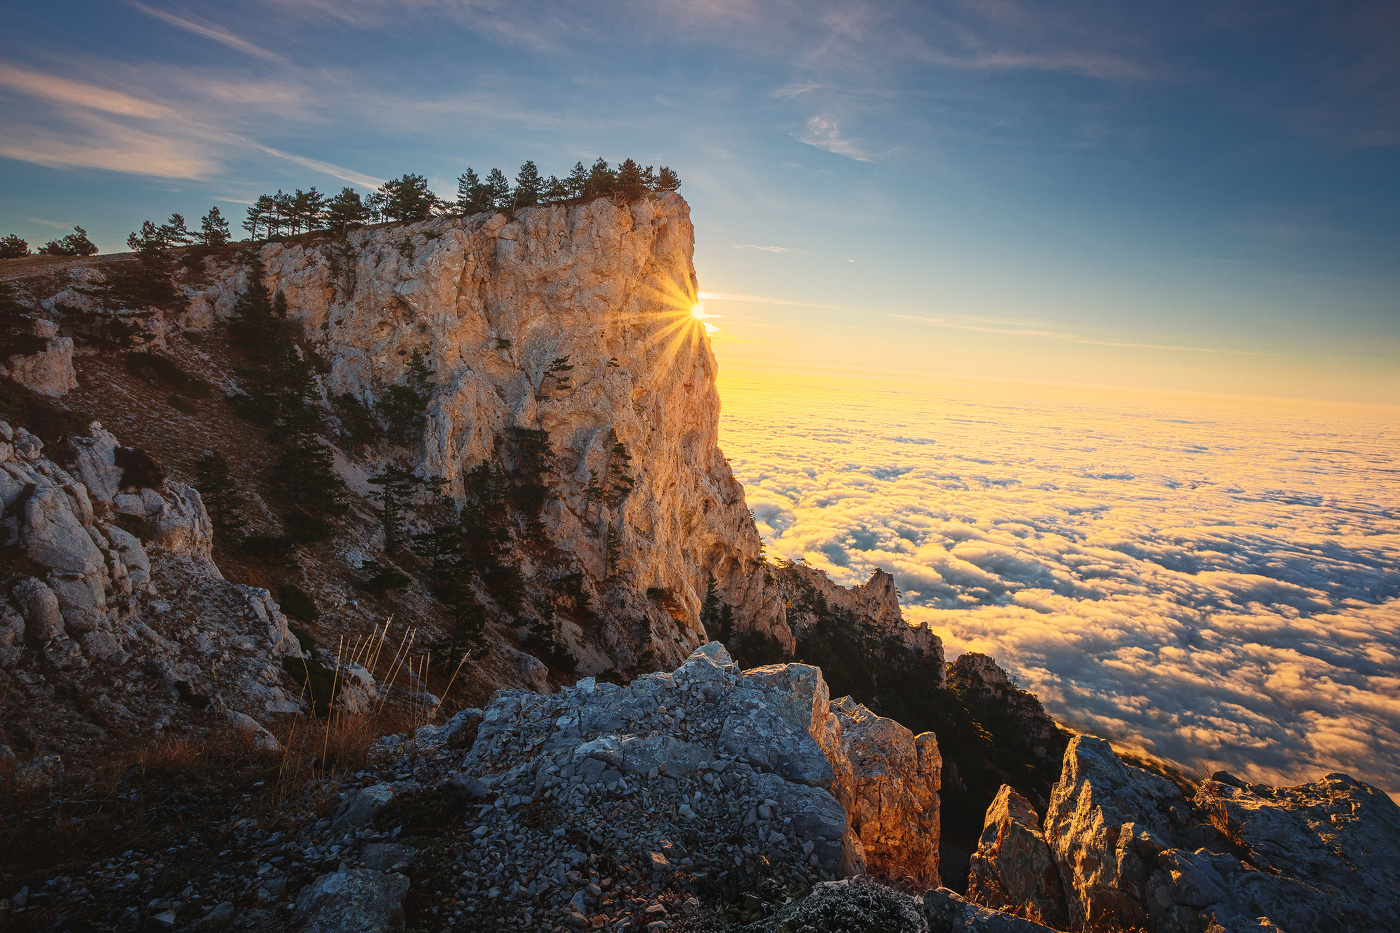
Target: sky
{"points": [[1178, 197], [1211, 581]]}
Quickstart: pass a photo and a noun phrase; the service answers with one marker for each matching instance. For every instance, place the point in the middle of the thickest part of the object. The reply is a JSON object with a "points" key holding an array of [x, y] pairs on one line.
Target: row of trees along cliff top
{"points": [[408, 198]]}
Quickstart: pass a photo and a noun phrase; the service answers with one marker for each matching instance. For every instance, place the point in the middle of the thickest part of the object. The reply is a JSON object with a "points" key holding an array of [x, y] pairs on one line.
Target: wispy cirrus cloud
{"points": [[69, 122], [766, 249], [208, 31], [825, 133]]}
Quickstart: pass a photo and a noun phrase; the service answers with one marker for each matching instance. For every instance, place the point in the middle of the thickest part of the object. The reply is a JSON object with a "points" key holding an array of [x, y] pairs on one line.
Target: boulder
{"points": [[50, 371], [357, 900], [779, 711], [95, 463], [39, 607], [1012, 869]]}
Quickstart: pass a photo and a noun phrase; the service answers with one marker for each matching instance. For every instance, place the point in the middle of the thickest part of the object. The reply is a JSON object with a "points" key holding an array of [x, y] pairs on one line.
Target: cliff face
{"points": [[499, 306]]}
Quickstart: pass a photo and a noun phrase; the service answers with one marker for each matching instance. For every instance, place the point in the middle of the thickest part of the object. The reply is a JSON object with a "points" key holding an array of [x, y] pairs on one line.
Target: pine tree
{"points": [[500, 188], [396, 486], [147, 240], [12, 247], [283, 209], [528, 185], [219, 492], [74, 244], [556, 377], [612, 552], [602, 180], [577, 182], [469, 193], [556, 190], [667, 180], [174, 232], [408, 198], [308, 209], [213, 229], [345, 210], [404, 409], [260, 216], [629, 181], [710, 611]]}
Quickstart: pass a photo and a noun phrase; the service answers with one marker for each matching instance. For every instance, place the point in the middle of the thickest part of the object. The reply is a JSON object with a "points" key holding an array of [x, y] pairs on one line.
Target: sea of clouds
{"points": [[1215, 584]]}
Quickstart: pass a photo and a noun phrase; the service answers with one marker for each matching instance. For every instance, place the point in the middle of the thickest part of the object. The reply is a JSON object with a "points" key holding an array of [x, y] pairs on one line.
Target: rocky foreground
{"points": [[713, 799]]}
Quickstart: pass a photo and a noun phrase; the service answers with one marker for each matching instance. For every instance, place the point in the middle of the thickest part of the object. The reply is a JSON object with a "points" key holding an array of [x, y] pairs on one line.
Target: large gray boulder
{"points": [[357, 900]]}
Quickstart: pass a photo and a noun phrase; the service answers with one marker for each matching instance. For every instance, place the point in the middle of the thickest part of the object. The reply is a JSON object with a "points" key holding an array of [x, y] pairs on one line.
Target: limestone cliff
{"points": [[573, 320]]}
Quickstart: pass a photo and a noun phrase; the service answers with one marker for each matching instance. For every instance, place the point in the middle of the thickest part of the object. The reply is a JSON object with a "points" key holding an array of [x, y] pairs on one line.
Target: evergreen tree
{"points": [[619, 478], [556, 376], [404, 409], [149, 239], [213, 229], [12, 247], [710, 610], [408, 198], [612, 552], [500, 188], [470, 196], [174, 232], [259, 216], [629, 181], [396, 485], [667, 180], [346, 210], [602, 180], [376, 202], [219, 492], [283, 212], [556, 190], [74, 244], [253, 321], [308, 209], [577, 182], [528, 185]]}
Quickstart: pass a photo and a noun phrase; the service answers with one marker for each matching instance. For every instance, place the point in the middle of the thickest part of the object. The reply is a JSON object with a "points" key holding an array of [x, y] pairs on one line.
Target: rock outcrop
{"points": [[574, 320], [114, 585], [887, 778], [1012, 869], [49, 371], [1132, 852], [982, 682], [872, 606]]}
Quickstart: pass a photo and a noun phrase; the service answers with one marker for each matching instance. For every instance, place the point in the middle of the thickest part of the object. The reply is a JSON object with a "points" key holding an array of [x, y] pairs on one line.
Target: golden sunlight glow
{"points": [[680, 318], [697, 311]]}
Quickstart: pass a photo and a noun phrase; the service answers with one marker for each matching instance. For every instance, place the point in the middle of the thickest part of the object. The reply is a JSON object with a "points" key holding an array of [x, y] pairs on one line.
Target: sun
{"points": [[697, 311]]}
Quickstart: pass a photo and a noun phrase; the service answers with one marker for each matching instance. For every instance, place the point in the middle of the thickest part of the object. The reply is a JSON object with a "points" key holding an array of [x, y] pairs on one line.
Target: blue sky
{"points": [[1190, 197]]}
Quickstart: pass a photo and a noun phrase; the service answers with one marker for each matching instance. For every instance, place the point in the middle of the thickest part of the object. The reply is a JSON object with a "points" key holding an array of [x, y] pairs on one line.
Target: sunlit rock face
{"points": [[1012, 869], [493, 302], [874, 605], [1133, 852]]}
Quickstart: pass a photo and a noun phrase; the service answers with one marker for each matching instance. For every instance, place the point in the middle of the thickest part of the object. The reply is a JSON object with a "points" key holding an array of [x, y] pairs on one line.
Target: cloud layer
{"points": [[1218, 586]]}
